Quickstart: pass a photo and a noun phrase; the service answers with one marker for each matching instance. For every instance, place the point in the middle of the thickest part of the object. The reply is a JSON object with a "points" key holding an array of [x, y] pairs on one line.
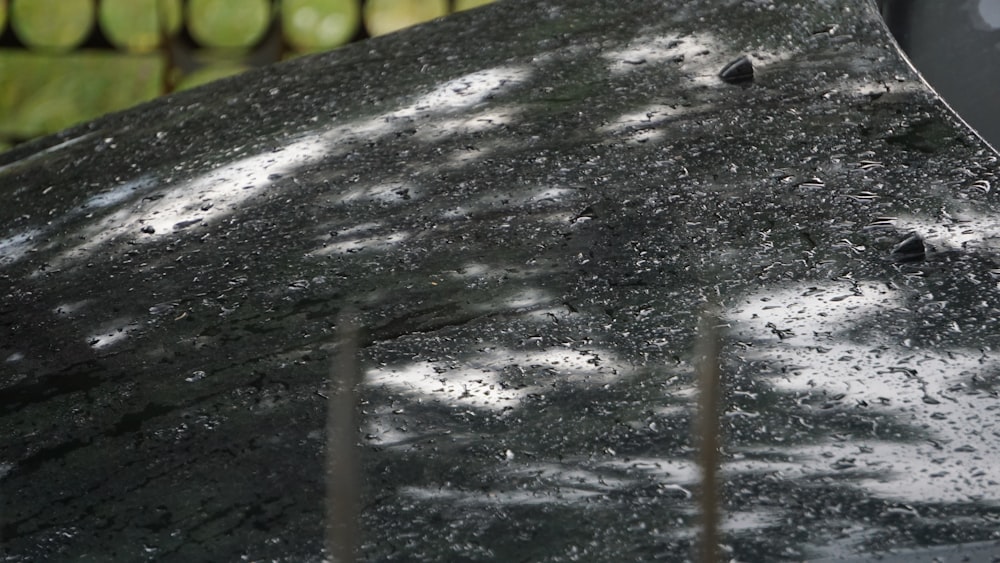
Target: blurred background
{"points": [[67, 61]]}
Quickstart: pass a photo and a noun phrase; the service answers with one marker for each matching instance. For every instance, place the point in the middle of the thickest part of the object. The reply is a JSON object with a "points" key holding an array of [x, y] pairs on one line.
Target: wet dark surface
{"points": [[956, 46], [528, 205]]}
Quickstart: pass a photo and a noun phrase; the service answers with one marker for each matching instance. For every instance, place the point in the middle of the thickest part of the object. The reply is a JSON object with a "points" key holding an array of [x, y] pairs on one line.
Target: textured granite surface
{"points": [[528, 205]]}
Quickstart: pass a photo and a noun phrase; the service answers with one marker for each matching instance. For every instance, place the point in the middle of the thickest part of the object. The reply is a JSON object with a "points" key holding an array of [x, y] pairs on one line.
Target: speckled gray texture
{"points": [[528, 205]]}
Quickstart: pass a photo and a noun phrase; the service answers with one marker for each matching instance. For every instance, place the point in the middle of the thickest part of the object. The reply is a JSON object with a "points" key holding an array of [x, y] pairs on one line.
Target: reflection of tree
{"points": [[527, 240]]}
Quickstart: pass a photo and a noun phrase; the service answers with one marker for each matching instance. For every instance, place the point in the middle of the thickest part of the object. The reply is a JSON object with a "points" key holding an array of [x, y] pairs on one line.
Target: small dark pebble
{"points": [[148, 229], [739, 71], [911, 249]]}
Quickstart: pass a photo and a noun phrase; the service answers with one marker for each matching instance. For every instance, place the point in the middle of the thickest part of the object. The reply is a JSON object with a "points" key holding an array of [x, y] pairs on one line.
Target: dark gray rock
{"points": [[528, 206]]}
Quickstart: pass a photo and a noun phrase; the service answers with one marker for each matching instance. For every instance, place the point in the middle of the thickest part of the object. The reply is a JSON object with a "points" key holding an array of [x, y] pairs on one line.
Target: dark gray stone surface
{"points": [[528, 205]]}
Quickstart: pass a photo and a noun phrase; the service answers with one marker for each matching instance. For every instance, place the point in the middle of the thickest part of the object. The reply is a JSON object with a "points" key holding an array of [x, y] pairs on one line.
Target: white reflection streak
{"points": [[452, 96], [43, 152], [119, 193], [699, 57], [479, 382], [465, 91], [350, 245], [14, 247], [566, 494], [969, 228], [657, 49], [232, 184], [111, 333], [805, 335]]}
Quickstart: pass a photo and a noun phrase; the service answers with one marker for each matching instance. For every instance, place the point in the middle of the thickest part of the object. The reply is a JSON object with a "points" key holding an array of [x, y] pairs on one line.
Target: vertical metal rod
{"points": [[707, 434], [343, 460]]}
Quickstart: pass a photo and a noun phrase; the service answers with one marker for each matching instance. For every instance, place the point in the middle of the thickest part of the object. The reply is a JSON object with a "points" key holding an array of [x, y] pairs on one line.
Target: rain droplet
{"points": [[161, 308], [195, 376], [981, 185], [864, 196], [881, 223], [811, 184]]}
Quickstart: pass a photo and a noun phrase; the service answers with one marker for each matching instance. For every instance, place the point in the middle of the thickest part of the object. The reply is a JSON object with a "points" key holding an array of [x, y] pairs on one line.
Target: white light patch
{"points": [[465, 91], [475, 151], [698, 57], [440, 129], [392, 193], [567, 495], [550, 194], [217, 193], [473, 271], [355, 243], [112, 333], [819, 339], [185, 203], [645, 124], [71, 308], [677, 474], [653, 50], [119, 193], [14, 247], [967, 229], [523, 299], [861, 87], [485, 381], [467, 387]]}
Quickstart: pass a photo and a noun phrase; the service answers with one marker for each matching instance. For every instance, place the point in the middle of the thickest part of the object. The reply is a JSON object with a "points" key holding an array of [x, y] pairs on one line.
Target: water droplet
{"points": [[161, 308], [811, 184], [864, 196], [195, 376], [882, 223], [981, 185]]}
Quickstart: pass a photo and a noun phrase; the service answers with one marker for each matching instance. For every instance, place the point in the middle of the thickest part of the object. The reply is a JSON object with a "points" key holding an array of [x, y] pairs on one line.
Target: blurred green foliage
{"points": [[146, 48]]}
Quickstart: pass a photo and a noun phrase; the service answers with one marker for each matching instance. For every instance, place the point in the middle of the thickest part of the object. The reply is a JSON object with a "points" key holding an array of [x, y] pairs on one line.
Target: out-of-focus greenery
{"points": [[54, 92], [386, 16], [317, 25], [210, 72], [228, 23], [469, 4], [52, 25], [44, 88], [138, 25]]}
